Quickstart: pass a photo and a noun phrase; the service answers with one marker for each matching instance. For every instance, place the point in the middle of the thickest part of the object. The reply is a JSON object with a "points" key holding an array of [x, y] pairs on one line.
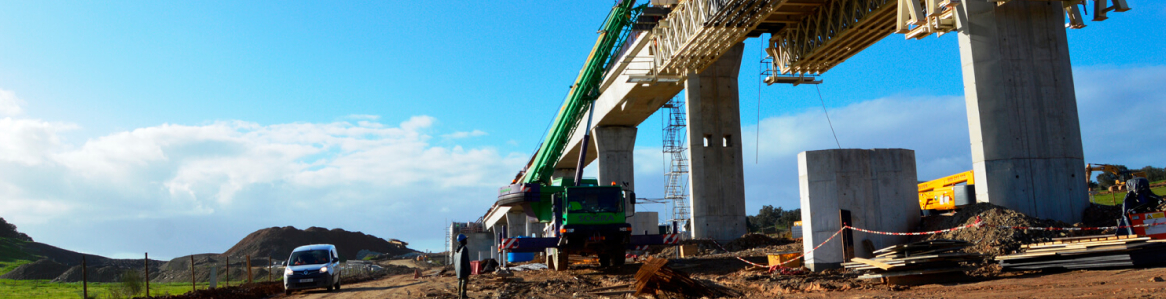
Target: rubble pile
{"points": [[990, 240]]}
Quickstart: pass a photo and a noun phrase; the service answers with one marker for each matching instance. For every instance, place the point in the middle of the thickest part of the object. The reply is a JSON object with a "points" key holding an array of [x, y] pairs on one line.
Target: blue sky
{"points": [[214, 119]]}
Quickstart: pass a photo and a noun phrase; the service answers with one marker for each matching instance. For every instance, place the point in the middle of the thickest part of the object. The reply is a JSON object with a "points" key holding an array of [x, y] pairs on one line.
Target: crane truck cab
{"points": [[593, 221]]}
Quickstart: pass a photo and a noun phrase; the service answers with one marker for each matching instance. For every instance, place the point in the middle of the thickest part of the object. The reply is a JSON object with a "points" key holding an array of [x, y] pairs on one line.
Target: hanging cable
{"points": [[761, 79], [827, 116]]}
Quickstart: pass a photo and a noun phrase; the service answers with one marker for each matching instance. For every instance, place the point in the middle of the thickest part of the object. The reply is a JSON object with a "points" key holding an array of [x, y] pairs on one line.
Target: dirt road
{"points": [[393, 287], [1127, 283]]}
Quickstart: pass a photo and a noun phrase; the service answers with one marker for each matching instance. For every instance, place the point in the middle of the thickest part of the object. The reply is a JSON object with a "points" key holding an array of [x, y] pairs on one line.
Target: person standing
{"points": [[461, 266]]}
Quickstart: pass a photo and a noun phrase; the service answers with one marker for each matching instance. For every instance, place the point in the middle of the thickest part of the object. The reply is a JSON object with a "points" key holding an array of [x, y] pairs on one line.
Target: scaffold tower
{"points": [[675, 149]]}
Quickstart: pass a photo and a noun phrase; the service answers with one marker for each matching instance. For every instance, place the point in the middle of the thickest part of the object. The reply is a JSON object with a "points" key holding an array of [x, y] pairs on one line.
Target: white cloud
{"points": [[10, 104], [459, 135], [364, 116], [366, 176]]}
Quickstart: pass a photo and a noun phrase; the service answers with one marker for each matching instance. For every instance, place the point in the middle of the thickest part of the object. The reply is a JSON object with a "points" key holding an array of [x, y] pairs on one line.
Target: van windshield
{"points": [[308, 257]]}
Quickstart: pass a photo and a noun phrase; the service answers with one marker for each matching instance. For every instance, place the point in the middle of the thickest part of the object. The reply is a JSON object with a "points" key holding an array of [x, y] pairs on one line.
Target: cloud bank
{"points": [[173, 189]]}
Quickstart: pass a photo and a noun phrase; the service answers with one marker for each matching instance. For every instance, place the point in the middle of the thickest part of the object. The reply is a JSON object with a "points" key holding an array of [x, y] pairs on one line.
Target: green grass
{"points": [[45, 289], [1116, 197], [11, 255]]}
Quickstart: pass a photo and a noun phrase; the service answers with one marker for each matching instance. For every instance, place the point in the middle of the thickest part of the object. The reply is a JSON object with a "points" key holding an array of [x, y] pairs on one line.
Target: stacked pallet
{"points": [[1104, 251], [919, 258]]}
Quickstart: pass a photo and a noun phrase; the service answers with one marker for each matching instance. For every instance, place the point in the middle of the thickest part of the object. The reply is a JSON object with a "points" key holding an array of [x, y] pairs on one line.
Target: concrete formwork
{"points": [[716, 180], [1022, 108], [479, 244], [615, 145], [877, 186]]}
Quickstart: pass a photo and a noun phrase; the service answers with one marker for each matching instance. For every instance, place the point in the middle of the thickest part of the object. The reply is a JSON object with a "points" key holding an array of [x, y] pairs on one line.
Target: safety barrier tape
{"points": [[974, 224], [978, 223]]}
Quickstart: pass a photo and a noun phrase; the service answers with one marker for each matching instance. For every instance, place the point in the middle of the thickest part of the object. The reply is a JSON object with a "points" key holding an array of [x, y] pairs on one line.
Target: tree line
{"points": [[772, 220], [1106, 179]]}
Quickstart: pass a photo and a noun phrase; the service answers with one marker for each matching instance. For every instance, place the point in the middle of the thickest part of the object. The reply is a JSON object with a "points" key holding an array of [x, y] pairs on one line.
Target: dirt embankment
{"points": [[279, 242], [60, 265]]}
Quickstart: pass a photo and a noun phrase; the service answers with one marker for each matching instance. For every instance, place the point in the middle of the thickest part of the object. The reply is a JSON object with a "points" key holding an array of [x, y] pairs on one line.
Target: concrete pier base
{"points": [[615, 145], [1022, 108], [877, 187], [716, 183]]}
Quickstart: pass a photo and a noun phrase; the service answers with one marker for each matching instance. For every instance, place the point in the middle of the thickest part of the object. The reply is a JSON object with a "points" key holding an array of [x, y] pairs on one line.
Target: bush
{"points": [[130, 285]]}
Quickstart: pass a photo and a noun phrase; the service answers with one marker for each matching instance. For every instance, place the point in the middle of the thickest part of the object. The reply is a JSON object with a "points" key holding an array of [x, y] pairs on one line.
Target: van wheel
{"points": [[330, 287], [337, 284], [287, 292]]}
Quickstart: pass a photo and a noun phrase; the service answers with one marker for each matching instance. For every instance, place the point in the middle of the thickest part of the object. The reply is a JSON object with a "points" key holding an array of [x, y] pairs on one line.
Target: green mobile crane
{"points": [[587, 218]]}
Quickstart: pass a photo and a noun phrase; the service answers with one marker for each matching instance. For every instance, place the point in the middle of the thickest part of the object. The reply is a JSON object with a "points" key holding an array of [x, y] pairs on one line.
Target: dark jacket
{"points": [[461, 262]]}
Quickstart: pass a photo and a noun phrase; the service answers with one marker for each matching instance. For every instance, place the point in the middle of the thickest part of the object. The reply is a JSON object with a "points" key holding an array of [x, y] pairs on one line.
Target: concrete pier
{"points": [[877, 187], [615, 145], [1022, 108], [716, 183]]}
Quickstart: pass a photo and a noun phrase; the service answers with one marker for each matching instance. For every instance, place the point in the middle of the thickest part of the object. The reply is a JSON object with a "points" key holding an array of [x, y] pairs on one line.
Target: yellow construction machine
{"points": [[1122, 175], [947, 193]]}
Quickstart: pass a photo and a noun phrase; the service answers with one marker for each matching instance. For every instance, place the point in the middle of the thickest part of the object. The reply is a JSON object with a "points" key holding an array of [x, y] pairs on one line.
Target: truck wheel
{"points": [[560, 260], [604, 260], [618, 257]]}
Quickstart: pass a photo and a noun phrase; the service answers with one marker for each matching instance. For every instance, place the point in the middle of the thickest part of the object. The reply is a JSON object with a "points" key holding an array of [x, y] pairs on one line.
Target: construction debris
{"points": [[990, 240], [919, 258], [1104, 251], [655, 277]]}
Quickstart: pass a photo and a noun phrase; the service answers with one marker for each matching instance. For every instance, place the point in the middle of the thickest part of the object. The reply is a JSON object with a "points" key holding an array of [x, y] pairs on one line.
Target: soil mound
{"points": [[1100, 215], [279, 242], [750, 241], [41, 269], [991, 240]]}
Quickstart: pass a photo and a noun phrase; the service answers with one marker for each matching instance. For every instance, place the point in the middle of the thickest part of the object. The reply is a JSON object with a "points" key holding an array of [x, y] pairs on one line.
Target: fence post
{"points": [[193, 287], [84, 279], [147, 278], [249, 269]]}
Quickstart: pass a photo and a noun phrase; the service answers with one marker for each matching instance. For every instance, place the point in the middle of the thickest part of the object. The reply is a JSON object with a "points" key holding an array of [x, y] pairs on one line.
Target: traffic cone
{"points": [[416, 274]]}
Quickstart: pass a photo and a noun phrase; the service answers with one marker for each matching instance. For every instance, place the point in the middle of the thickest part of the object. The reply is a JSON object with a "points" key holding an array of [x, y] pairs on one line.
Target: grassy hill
{"points": [[12, 254]]}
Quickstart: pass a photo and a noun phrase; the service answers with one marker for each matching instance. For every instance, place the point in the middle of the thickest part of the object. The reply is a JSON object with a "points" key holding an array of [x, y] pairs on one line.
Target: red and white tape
{"points": [[974, 224], [978, 223]]}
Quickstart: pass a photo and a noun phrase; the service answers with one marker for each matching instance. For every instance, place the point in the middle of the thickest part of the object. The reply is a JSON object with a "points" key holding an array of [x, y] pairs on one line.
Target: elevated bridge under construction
{"points": [[1021, 104]]}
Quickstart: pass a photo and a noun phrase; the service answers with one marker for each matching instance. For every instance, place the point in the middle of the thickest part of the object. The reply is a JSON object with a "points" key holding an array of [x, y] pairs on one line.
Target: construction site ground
{"points": [[714, 267], [730, 273]]}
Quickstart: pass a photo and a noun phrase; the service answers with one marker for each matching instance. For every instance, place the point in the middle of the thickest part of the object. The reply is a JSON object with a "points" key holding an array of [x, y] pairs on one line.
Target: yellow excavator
{"points": [[947, 193], [1122, 175]]}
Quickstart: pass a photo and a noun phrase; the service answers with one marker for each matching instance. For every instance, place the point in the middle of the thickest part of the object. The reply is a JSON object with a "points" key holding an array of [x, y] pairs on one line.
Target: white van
{"points": [[312, 266]]}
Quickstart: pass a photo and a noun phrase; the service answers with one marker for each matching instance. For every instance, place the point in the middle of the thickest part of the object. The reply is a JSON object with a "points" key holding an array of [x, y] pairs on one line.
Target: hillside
{"points": [[21, 258], [279, 242]]}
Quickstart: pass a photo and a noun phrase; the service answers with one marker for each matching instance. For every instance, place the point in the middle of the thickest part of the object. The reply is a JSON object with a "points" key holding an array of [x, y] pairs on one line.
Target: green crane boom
{"points": [[583, 93]]}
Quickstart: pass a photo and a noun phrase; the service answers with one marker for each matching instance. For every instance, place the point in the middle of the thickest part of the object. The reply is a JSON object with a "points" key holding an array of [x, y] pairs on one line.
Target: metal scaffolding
{"points": [[675, 148]]}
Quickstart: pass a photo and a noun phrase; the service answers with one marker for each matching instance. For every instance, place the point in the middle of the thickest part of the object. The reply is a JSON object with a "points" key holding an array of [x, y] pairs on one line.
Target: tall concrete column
{"points": [[615, 158], [563, 173], [716, 178], [1022, 109]]}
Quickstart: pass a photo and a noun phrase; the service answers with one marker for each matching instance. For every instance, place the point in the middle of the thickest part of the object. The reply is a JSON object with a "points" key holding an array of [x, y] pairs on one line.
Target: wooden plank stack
{"points": [[655, 277], [1105, 251], [919, 258]]}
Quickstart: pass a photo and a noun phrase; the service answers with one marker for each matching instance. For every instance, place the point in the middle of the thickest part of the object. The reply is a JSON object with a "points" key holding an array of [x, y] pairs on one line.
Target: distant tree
{"points": [[770, 219], [8, 230], [1154, 174]]}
